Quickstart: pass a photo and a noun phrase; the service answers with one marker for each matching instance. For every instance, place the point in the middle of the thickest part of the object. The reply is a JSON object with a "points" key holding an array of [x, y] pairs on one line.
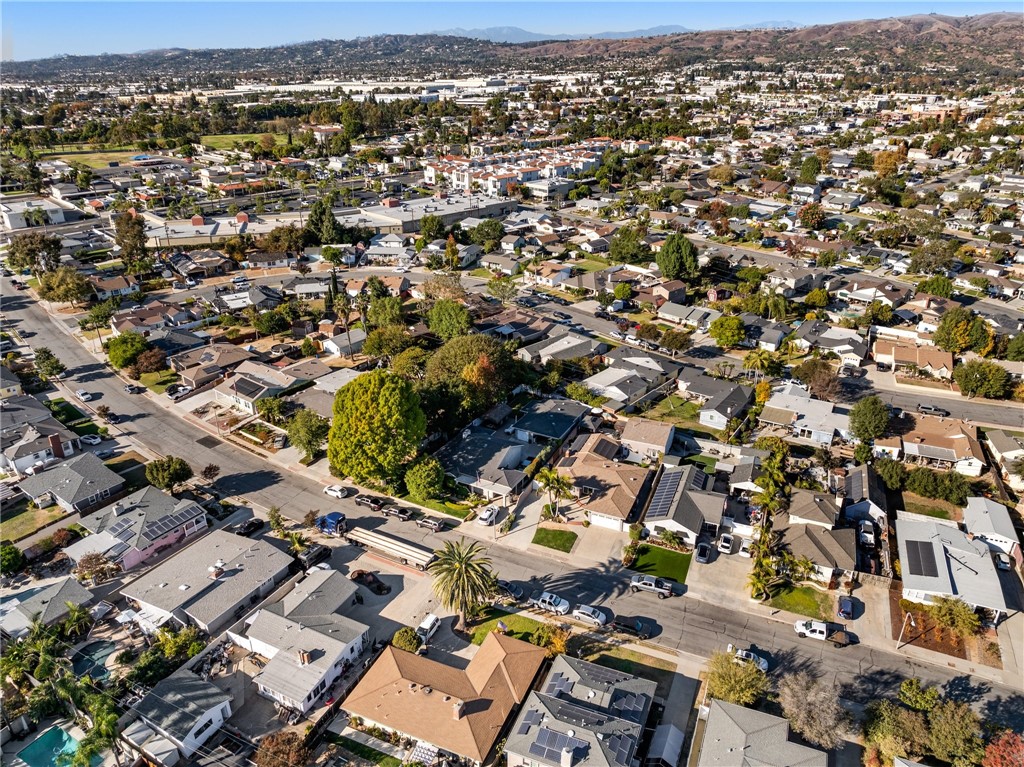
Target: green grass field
{"points": [[356, 748], [227, 140], [683, 413], [802, 600], [519, 626], [158, 382], [458, 510], [662, 562], [559, 540], [94, 158], [706, 462], [18, 522]]}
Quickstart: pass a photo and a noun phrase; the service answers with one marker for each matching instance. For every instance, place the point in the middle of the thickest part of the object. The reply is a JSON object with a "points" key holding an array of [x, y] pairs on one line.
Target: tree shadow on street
{"points": [[248, 481], [966, 690]]}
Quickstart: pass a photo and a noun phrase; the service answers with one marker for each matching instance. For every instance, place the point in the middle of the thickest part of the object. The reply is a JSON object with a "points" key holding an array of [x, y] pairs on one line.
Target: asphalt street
{"points": [[685, 624]]}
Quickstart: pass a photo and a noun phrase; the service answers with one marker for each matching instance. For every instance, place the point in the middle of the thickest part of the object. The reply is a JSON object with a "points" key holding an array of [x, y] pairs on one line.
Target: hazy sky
{"points": [[40, 29]]}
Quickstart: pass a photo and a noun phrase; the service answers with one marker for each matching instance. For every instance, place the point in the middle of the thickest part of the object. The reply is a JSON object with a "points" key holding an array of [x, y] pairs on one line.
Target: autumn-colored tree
{"points": [[886, 164]]}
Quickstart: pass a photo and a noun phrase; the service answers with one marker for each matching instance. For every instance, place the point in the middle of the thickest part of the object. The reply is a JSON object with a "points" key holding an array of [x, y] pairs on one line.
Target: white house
{"points": [[990, 522], [177, 717], [647, 440]]}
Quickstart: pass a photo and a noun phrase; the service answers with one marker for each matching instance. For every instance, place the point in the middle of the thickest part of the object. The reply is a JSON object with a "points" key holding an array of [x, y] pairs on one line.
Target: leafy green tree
{"points": [[124, 349], [893, 473], [448, 319], [956, 615], [955, 733], [270, 409], [819, 376], [36, 251], [724, 174], [582, 393], [953, 333], [675, 340], [308, 348], [503, 288], [308, 432], [477, 370], [410, 363], [406, 639], [64, 285], [487, 233], [425, 479], [387, 341], [809, 170], [47, 364], [1015, 349], [463, 578], [378, 426], [432, 228], [817, 298], [385, 311], [812, 707], [11, 558], [622, 291], [167, 473], [275, 520], [740, 683], [869, 418], [628, 247], [270, 323], [917, 696], [981, 378], [895, 731], [728, 331], [130, 235], [939, 285], [677, 258]]}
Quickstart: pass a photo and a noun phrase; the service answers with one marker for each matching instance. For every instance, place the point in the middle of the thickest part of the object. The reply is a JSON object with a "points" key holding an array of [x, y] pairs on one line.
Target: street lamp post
{"points": [[908, 617]]}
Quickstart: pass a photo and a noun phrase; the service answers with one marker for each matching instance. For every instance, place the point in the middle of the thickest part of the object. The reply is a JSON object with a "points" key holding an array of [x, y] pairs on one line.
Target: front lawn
{"points": [[684, 414], [662, 562], [639, 664], [802, 600], [18, 522], [65, 412], [126, 461], [706, 462], [459, 510], [518, 626], [559, 540], [158, 382], [86, 427], [356, 748]]}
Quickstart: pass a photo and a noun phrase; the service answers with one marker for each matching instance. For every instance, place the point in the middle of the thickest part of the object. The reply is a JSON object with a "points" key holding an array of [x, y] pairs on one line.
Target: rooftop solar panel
{"points": [[921, 559], [664, 496]]}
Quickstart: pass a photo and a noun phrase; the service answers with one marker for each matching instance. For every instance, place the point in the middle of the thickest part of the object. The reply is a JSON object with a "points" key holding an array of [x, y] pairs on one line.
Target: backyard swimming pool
{"points": [[91, 659], [46, 750]]}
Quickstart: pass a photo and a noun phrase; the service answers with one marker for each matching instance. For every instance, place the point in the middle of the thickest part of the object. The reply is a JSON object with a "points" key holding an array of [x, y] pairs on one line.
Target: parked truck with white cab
{"points": [[825, 632]]}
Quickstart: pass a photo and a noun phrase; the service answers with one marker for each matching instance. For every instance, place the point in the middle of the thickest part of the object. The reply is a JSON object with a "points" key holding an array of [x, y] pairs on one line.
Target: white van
{"points": [[428, 627]]}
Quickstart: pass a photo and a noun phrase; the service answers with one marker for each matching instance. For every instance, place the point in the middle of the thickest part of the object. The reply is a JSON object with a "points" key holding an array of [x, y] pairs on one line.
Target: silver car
{"points": [[589, 614]]}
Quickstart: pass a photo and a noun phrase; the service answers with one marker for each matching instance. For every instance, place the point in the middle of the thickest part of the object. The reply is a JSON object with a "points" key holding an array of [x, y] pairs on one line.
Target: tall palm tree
{"points": [[758, 580], [463, 577], [297, 542], [77, 621], [556, 485], [757, 360]]}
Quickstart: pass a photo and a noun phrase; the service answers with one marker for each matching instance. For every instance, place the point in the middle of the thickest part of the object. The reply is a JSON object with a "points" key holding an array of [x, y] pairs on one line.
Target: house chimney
{"points": [[567, 755], [119, 509], [304, 657], [457, 708], [198, 220], [56, 446]]}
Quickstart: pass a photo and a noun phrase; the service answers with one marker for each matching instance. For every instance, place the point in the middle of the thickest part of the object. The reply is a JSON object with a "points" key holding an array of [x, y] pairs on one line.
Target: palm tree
{"points": [[297, 542], [556, 485], [757, 360], [758, 580], [77, 621], [463, 577], [343, 302], [777, 307]]}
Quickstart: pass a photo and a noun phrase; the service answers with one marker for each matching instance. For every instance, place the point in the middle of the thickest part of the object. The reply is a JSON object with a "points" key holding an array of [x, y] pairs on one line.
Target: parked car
{"points": [[562, 315], [190, 283], [589, 614], [725, 543], [548, 602], [336, 491], [397, 512], [882, 367], [658, 586], [845, 608], [932, 410], [370, 502], [312, 554], [615, 334], [112, 418], [866, 533], [250, 527], [176, 391], [91, 439], [132, 389], [488, 516], [103, 455], [1002, 561], [746, 656], [633, 626], [703, 553], [601, 314], [510, 589], [371, 581], [433, 524], [745, 548], [83, 395]]}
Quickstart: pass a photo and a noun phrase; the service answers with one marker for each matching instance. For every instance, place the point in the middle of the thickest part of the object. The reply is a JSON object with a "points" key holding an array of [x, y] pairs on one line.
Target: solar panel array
{"points": [[921, 559], [630, 706], [530, 718], [246, 387], [664, 496], [164, 525], [121, 528], [549, 744], [620, 748], [559, 683], [570, 712], [606, 676]]}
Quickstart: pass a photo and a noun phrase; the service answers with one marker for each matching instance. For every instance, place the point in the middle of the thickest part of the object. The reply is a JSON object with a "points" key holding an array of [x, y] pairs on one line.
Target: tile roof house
{"points": [[735, 736], [208, 584], [942, 443], [937, 559], [48, 603], [609, 491], [183, 709], [78, 484], [581, 713], [903, 357], [462, 711], [140, 525]]}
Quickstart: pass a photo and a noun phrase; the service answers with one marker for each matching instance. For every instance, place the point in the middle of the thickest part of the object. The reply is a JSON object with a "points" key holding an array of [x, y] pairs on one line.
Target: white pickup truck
{"points": [[825, 632], [549, 602]]}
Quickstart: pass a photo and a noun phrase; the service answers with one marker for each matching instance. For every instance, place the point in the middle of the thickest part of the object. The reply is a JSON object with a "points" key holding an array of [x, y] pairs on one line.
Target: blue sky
{"points": [[39, 29]]}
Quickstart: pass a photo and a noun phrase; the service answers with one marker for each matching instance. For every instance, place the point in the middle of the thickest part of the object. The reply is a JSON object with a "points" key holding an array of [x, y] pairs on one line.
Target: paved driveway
{"points": [[722, 581]]}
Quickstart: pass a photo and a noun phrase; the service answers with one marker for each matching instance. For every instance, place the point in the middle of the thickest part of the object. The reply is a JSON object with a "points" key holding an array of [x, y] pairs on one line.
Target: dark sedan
{"points": [[637, 627], [371, 581]]}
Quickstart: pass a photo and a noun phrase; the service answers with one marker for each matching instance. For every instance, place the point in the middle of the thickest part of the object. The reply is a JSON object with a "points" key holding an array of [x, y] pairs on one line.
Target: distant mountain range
{"points": [[520, 35]]}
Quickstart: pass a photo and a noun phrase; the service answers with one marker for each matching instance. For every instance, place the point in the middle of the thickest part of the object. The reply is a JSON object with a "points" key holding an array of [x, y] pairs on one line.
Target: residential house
{"points": [[581, 714], [140, 526], [736, 735], [501, 264], [10, 384], [515, 324], [764, 333], [462, 711], [345, 344], [262, 297], [548, 420], [841, 202], [201, 366], [911, 358], [177, 717], [672, 290], [486, 463], [307, 641], [253, 381], [511, 242], [209, 584], [47, 603], [548, 273], [802, 194], [630, 376], [684, 503], [844, 342], [939, 560], [270, 260], [863, 494], [794, 280], [808, 529], [698, 317], [805, 418], [722, 408], [609, 492], [78, 484], [106, 288], [561, 344], [863, 289], [989, 521], [30, 437], [646, 440], [947, 444], [1008, 450]]}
